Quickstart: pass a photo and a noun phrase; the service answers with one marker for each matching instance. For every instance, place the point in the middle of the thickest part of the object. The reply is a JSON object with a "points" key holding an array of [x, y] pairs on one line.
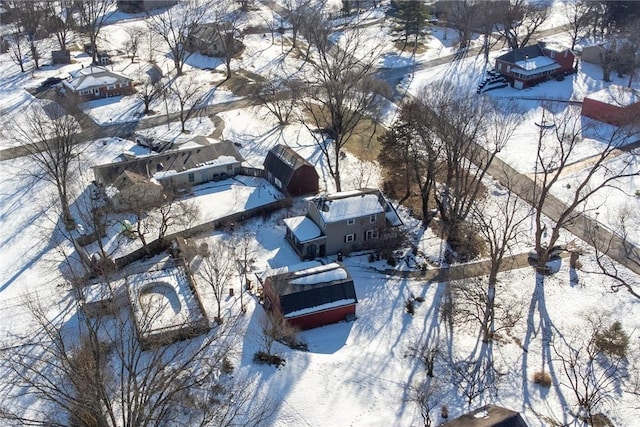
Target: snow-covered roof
{"points": [[536, 63], [322, 274], [303, 228], [93, 76], [616, 95], [354, 205], [289, 268]]}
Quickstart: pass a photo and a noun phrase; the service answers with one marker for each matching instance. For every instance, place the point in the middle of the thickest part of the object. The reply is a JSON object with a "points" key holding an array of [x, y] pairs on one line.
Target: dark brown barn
{"points": [[312, 297], [289, 172], [616, 105]]}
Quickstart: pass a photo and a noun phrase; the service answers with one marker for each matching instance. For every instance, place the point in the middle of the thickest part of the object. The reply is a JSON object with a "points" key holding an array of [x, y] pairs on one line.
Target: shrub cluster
{"points": [[542, 378]]}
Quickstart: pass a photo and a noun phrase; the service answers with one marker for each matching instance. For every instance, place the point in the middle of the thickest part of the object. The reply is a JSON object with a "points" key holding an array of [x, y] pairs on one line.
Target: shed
{"points": [[488, 416], [61, 56], [616, 105], [290, 172], [312, 297]]}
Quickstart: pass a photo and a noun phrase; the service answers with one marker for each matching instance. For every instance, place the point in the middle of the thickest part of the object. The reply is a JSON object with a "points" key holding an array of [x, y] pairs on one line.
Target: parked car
{"points": [[50, 81]]}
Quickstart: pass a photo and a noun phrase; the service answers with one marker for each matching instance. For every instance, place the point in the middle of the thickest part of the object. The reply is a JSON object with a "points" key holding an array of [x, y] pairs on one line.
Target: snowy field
{"points": [[359, 373]]}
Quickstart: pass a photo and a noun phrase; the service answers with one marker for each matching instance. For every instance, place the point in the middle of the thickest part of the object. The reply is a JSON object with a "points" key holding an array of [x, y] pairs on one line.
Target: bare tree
{"points": [[243, 254], [604, 246], [135, 36], [427, 395], [92, 17], [49, 139], [156, 211], [299, 12], [148, 91], [29, 16], [187, 91], [559, 137], [217, 270], [95, 371], [59, 20], [342, 93], [229, 36], [176, 25], [591, 372], [17, 48], [521, 20], [499, 221], [470, 133], [578, 14], [279, 96]]}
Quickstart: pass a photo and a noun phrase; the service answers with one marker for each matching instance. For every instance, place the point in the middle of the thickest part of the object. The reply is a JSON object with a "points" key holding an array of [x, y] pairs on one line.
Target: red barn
{"points": [[530, 65], [616, 105], [312, 297], [289, 172]]}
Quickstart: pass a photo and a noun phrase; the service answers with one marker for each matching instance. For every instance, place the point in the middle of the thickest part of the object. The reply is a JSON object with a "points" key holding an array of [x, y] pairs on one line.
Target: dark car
{"points": [[51, 81]]}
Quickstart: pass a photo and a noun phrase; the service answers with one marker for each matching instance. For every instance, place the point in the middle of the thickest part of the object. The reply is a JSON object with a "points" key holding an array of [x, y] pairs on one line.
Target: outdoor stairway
{"points": [[493, 80]]}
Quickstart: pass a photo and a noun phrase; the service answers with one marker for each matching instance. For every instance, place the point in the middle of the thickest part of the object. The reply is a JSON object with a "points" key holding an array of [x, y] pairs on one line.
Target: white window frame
{"points": [[351, 221], [371, 234], [372, 219], [348, 238]]}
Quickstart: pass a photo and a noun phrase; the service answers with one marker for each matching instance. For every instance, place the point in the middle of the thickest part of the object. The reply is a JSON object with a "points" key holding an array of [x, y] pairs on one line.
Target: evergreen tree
{"points": [[410, 21]]}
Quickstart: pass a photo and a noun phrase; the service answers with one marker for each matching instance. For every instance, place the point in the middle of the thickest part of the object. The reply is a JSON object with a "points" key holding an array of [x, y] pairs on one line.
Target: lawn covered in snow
{"points": [[359, 373]]}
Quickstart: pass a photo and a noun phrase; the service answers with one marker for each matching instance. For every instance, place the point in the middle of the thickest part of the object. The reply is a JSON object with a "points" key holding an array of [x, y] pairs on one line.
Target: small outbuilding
{"points": [[616, 105], [291, 173], [311, 297], [488, 416]]}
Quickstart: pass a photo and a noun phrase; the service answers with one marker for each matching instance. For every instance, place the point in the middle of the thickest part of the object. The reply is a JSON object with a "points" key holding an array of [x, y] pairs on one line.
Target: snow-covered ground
{"points": [[359, 373]]}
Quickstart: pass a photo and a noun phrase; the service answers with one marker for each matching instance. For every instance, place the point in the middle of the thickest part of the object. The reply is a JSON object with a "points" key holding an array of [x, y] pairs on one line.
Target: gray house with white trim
{"points": [[343, 222]]}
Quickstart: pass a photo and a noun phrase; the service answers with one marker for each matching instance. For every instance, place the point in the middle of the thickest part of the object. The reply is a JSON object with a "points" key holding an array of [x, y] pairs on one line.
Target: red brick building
{"points": [[616, 105], [530, 65], [97, 82]]}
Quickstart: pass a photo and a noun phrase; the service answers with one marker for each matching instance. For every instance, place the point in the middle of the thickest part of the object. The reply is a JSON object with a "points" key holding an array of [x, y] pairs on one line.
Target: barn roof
{"points": [[314, 287], [282, 161], [488, 416], [174, 161]]}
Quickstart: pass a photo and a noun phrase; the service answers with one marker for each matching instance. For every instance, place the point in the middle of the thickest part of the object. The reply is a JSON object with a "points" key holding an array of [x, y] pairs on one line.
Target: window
{"points": [[229, 167], [372, 219], [371, 234], [351, 221], [350, 238], [192, 177], [277, 182]]}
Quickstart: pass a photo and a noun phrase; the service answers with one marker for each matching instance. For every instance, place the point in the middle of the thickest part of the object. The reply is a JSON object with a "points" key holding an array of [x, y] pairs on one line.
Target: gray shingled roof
{"points": [[521, 54], [282, 161], [178, 160]]}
